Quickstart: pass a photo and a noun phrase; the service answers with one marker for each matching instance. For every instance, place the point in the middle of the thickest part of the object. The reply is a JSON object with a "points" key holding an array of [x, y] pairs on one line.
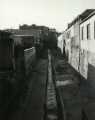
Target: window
{"points": [[88, 31], [68, 34], [94, 29], [82, 35]]}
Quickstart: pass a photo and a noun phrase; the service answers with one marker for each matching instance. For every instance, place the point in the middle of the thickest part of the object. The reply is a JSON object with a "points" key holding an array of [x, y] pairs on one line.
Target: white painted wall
{"points": [[60, 42], [68, 45], [88, 45]]}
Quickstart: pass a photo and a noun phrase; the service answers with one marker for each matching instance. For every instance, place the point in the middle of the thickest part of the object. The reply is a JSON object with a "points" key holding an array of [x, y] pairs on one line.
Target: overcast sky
{"points": [[52, 13]]}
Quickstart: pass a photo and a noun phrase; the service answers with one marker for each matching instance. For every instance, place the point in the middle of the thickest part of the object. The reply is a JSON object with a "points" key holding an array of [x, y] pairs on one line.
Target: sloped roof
{"points": [[82, 16], [86, 13]]}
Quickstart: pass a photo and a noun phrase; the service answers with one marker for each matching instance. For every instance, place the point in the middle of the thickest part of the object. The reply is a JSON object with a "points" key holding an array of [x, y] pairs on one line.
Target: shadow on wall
{"points": [[88, 86]]}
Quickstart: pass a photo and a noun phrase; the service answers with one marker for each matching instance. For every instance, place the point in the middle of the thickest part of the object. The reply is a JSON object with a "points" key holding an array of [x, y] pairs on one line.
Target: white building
{"points": [[60, 42]]}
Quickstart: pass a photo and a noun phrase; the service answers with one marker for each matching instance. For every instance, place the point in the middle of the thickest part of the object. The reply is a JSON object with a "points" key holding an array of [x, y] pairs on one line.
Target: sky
{"points": [[52, 13]]}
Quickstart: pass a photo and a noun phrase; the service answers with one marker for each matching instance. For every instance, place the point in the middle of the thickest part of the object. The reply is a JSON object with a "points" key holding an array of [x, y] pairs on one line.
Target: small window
{"points": [[68, 34], [82, 31], [88, 31]]}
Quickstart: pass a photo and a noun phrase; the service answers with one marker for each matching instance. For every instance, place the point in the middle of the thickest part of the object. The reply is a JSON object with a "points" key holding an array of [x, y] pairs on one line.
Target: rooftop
{"points": [[82, 16]]}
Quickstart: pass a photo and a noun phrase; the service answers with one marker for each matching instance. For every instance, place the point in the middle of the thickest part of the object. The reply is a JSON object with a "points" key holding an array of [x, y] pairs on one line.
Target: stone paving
{"points": [[73, 92], [51, 102], [75, 105], [68, 86]]}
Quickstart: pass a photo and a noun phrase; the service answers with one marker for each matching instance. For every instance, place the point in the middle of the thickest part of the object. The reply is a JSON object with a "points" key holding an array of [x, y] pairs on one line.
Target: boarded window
{"points": [[88, 31]]}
